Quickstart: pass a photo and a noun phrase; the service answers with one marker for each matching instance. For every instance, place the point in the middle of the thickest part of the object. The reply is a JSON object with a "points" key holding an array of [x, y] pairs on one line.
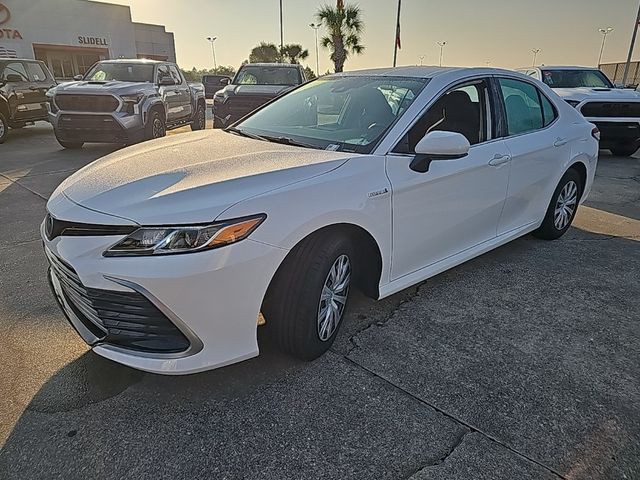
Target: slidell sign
{"points": [[5, 32]]}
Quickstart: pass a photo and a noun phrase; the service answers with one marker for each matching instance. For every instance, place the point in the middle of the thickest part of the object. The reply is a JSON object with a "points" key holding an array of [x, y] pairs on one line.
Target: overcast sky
{"points": [[501, 32]]}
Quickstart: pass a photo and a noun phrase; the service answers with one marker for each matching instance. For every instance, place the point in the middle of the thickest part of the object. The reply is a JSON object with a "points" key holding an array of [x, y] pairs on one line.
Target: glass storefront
{"points": [[67, 62]]}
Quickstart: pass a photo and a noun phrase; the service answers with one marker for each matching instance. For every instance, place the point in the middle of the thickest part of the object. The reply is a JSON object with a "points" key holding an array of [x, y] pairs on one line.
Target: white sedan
{"points": [[167, 255]]}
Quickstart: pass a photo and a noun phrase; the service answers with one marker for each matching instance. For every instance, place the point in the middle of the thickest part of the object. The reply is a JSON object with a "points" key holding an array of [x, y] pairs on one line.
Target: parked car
{"points": [[213, 83], [125, 101], [165, 257], [253, 85], [23, 87], [616, 112]]}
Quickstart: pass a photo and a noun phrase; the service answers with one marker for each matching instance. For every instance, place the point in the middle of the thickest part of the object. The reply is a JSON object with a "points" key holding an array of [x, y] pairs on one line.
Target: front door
{"points": [[456, 204], [40, 82], [20, 96]]}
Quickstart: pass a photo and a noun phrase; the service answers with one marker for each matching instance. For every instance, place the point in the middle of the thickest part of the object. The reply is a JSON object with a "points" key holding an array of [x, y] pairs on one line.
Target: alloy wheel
{"points": [[3, 127], [566, 205], [201, 119], [333, 298], [158, 128]]}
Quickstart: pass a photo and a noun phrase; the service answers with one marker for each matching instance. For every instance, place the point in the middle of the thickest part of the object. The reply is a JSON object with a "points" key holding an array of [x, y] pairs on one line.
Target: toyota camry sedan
{"points": [[168, 256]]}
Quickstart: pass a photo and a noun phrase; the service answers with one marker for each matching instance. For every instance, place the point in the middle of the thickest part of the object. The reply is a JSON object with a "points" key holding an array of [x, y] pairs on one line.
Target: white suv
{"points": [[616, 112]]}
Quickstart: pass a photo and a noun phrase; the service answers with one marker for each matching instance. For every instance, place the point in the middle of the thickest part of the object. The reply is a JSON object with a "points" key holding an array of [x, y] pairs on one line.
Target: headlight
{"points": [[573, 103], [184, 239], [131, 102]]}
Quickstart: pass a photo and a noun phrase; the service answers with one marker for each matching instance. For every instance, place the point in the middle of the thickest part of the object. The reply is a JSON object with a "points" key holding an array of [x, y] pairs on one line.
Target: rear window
{"points": [[576, 79]]}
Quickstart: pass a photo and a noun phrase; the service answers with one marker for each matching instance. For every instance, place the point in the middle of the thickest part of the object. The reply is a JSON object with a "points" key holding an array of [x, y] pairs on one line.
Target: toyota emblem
{"points": [[5, 14]]}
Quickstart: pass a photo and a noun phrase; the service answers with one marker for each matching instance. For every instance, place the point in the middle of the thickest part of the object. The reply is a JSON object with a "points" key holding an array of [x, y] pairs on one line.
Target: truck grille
{"points": [[241, 105], [611, 109], [125, 319], [87, 103]]}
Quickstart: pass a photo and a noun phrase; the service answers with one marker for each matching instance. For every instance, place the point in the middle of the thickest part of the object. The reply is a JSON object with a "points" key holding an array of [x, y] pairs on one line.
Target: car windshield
{"points": [[123, 72], [261, 75], [575, 79], [348, 113]]}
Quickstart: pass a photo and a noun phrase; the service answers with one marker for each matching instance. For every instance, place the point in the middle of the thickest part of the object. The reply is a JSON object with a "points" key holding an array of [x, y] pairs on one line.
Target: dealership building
{"points": [[71, 35]]}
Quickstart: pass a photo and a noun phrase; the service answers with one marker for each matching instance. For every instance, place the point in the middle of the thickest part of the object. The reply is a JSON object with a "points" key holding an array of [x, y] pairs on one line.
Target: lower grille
{"points": [[611, 109], [87, 103], [88, 122], [125, 319]]}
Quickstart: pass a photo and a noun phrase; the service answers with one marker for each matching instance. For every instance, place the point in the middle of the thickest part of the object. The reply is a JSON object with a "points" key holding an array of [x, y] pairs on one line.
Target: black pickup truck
{"points": [[125, 101], [254, 85], [23, 87]]}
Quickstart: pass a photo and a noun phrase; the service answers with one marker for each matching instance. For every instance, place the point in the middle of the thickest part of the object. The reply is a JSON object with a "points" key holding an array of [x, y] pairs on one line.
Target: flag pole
{"points": [[397, 39], [633, 42]]}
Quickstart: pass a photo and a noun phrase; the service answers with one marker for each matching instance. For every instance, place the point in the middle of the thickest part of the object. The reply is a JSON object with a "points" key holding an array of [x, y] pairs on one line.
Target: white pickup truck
{"points": [[615, 111]]}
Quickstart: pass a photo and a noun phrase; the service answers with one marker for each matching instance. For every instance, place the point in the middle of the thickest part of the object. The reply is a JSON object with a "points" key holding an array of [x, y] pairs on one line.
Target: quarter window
{"points": [[548, 110], [175, 75]]}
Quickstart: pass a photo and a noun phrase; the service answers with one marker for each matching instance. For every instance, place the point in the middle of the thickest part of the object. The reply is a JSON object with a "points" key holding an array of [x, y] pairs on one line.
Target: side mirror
{"points": [[439, 146], [166, 80], [77, 78], [225, 81]]}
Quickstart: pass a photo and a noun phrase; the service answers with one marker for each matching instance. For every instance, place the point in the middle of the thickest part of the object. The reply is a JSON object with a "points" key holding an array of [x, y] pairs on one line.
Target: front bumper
{"points": [[212, 297], [116, 127], [616, 131]]}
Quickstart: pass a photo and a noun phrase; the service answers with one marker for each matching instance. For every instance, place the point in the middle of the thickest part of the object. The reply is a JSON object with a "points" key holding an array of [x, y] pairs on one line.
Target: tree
{"points": [[293, 53], [344, 25], [309, 73], [264, 53], [195, 75]]}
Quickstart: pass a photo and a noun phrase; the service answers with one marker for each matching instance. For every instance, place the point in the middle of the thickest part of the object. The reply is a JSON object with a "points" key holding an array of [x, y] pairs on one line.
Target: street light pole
{"points": [[604, 32], [441, 44], [421, 57], [316, 26], [281, 29], [633, 42], [535, 52], [213, 51]]}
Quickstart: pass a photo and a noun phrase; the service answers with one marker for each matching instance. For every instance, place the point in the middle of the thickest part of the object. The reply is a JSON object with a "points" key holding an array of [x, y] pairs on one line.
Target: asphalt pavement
{"points": [[520, 364]]}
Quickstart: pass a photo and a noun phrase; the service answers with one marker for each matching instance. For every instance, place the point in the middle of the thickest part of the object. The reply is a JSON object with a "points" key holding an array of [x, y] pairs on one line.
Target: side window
{"points": [[163, 72], [522, 106], [14, 72], [464, 110], [175, 75], [548, 110], [37, 72]]}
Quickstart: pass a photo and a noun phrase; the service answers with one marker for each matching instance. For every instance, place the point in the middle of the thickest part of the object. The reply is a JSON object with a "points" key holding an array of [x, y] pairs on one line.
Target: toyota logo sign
{"points": [[5, 14]]}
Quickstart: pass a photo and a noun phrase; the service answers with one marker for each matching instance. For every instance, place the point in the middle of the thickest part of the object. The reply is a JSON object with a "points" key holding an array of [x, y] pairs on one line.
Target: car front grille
{"points": [[125, 319], [87, 103], [611, 109], [88, 122], [61, 228], [241, 105]]}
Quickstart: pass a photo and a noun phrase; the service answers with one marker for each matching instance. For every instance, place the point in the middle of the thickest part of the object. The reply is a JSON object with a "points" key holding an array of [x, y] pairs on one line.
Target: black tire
{"points": [[156, 126], [293, 303], [70, 145], [556, 224], [4, 128], [625, 150], [199, 119]]}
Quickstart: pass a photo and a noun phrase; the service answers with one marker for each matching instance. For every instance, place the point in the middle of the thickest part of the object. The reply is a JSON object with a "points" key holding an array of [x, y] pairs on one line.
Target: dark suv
{"points": [[254, 85], [23, 88]]}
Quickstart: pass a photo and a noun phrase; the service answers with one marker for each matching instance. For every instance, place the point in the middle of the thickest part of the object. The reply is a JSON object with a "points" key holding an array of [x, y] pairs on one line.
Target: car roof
{"points": [[561, 67], [288, 65], [422, 72], [132, 60]]}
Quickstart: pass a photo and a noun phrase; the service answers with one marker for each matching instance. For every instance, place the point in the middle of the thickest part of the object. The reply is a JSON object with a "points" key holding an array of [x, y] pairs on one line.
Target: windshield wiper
{"points": [[243, 133], [287, 141]]}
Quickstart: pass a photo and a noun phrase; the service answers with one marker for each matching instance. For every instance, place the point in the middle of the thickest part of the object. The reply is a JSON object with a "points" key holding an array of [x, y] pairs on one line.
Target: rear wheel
{"points": [[4, 128], [156, 127], [625, 149], [563, 207], [199, 119], [306, 301]]}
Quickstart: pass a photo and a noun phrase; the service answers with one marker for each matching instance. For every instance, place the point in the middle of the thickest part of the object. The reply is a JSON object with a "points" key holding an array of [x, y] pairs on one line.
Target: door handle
{"points": [[499, 159], [560, 142]]}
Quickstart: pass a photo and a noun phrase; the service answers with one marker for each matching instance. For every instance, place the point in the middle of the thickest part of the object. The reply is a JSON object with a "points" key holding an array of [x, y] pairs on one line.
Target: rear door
{"points": [[40, 82], [184, 94], [537, 150]]}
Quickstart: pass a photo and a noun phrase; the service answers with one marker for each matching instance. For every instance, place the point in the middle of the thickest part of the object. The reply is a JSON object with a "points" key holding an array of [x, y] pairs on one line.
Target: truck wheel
{"points": [[70, 145], [156, 127], [4, 128], [199, 119], [625, 149]]}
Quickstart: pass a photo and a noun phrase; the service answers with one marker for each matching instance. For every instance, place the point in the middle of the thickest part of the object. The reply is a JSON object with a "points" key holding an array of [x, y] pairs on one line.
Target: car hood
{"points": [[605, 94], [84, 87], [191, 178]]}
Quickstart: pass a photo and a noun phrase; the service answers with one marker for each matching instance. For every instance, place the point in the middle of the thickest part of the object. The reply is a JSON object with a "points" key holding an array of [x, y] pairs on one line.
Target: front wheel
{"points": [[563, 207], [199, 119], [306, 301], [156, 127], [625, 149], [4, 128]]}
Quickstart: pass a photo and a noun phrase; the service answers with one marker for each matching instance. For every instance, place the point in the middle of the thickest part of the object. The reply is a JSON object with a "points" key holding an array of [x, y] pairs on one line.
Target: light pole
{"points": [[421, 57], [316, 26], [633, 42], [604, 32], [441, 44], [535, 52], [281, 29], [213, 51]]}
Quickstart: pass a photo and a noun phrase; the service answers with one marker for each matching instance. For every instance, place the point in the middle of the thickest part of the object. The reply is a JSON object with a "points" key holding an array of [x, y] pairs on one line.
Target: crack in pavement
{"points": [[16, 182], [448, 453]]}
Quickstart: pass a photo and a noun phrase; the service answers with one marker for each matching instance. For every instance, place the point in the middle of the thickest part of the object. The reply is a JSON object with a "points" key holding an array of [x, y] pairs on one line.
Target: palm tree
{"points": [[294, 53], [344, 25], [264, 53]]}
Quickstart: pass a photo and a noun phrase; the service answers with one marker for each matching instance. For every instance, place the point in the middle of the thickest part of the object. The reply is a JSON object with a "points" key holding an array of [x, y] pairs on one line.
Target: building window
{"points": [[86, 61]]}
